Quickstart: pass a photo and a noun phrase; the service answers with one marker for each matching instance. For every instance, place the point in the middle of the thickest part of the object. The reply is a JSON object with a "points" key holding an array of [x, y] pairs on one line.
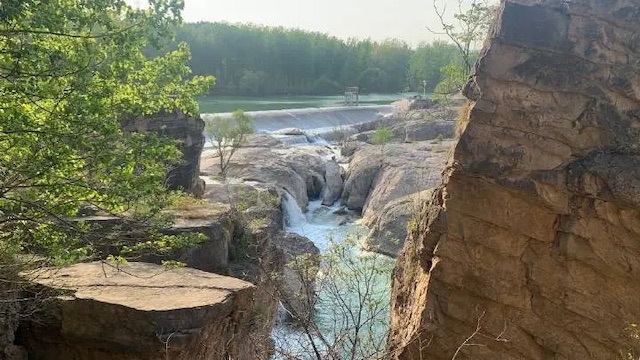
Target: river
{"points": [[223, 104], [353, 287]]}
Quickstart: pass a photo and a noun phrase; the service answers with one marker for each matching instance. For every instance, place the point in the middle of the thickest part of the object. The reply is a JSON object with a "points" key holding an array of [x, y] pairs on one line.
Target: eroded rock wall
{"points": [[534, 235], [188, 132]]}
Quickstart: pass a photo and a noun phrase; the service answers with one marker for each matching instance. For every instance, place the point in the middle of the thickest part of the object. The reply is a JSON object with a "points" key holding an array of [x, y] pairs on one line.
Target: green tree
{"points": [[469, 27], [257, 60], [347, 316], [454, 76], [252, 82], [427, 60], [468, 30], [373, 80], [382, 135], [70, 74], [324, 85], [228, 135]]}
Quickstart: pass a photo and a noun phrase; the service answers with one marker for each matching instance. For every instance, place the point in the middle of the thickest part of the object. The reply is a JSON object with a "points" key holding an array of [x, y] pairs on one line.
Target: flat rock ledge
{"points": [[141, 311]]}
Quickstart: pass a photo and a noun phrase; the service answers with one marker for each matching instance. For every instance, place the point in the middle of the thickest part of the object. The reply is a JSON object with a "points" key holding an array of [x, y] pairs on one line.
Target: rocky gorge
{"points": [[223, 305], [519, 239]]}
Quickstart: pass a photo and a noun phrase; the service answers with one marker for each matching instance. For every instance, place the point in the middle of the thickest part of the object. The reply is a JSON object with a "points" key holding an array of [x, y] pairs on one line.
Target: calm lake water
{"points": [[222, 104]]}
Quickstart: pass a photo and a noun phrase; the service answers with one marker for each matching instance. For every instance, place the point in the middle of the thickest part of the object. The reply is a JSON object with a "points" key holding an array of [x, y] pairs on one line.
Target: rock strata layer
{"points": [[142, 311], [299, 170], [534, 236]]}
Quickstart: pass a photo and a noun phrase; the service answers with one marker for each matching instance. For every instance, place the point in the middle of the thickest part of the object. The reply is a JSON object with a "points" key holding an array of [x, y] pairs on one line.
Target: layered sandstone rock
{"points": [[389, 229], [295, 285], [216, 221], [333, 183], [534, 236], [378, 178], [187, 131], [144, 312]]}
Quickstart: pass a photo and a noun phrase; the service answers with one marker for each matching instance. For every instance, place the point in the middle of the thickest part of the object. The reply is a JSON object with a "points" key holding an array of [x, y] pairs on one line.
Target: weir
{"points": [[312, 120]]}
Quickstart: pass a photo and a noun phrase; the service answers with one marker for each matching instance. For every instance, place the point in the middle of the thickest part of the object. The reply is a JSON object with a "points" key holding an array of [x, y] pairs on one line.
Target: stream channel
{"points": [[356, 294]]}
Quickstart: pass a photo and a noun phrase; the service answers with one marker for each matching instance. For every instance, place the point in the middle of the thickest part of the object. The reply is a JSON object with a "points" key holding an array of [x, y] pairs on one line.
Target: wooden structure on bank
{"points": [[351, 96]]}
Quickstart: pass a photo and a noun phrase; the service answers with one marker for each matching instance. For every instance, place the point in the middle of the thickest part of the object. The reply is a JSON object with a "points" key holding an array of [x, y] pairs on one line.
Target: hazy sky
{"points": [[375, 19]]}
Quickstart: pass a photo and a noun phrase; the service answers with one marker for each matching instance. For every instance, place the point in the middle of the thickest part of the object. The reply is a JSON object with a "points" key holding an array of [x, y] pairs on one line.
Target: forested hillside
{"points": [[257, 60]]}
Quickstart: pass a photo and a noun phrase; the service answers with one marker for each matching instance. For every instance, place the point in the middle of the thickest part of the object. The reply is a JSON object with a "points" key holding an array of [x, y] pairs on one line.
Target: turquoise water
{"points": [[222, 104], [353, 289]]}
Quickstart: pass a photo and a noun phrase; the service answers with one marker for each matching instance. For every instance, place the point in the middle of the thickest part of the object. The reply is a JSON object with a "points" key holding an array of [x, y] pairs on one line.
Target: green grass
{"points": [[218, 104]]}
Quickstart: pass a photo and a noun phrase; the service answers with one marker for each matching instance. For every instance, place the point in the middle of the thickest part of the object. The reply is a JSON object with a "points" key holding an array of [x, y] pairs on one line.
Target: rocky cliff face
{"points": [[534, 236], [187, 131], [9, 320]]}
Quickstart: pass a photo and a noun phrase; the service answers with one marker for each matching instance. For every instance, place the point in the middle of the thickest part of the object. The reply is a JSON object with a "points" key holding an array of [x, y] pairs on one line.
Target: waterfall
{"points": [[292, 213]]}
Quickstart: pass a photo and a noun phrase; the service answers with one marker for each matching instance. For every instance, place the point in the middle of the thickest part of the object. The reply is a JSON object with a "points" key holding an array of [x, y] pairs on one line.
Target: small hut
{"points": [[351, 96]]}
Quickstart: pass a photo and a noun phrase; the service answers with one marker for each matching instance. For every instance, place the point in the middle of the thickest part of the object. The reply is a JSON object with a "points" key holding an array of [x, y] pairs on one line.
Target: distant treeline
{"points": [[257, 60]]}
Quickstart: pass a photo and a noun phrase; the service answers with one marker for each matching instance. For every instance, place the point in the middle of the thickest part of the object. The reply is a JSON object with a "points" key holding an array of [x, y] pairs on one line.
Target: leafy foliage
{"points": [[426, 62], [352, 304], [382, 135], [470, 27], [454, 77], [228, 135], [70, 73]]}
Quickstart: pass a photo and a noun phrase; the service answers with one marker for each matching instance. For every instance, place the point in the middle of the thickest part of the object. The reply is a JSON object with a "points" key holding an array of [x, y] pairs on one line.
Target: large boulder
{"points": [[296, 283], [141, 311], [531, 247], [298, 170], [309, 163], [389, 229], [421, 130], [411, 130], [219, 226], [261, 140], [362, 173], [333, 181], [378, 175], [215, 221], [187, 131]]}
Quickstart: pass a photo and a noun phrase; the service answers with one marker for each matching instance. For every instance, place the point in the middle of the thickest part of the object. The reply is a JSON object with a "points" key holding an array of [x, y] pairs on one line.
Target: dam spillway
{"points": [[312, 120]]}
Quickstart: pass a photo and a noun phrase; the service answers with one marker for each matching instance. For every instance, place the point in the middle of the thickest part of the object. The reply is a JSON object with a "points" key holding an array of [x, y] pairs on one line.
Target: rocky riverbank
{"points": [[240, 273], [389, 183], [144, 311]]}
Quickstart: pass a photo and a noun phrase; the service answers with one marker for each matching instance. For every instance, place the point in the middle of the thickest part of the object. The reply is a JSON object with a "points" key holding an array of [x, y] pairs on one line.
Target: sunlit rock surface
{"points": [[534, 235], [142, 311]]}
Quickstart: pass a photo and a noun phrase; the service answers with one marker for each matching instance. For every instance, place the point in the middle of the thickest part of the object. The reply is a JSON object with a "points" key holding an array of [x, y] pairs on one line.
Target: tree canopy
{"points": [[256, 60], [70, 73]]}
